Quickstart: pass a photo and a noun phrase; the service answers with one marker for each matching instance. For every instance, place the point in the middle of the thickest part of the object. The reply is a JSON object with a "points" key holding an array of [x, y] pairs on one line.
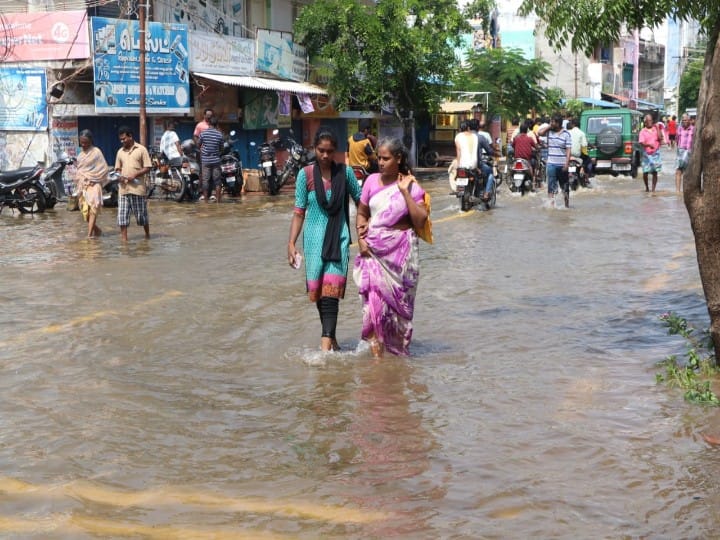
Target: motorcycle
{"points": [[471, 181], [298, 158], [360, 174], [268, 164], [190, 170], [23, 189], [54, 180], [111, 189], [231, 168], [576, 174], [165, 178], [522, 178]]}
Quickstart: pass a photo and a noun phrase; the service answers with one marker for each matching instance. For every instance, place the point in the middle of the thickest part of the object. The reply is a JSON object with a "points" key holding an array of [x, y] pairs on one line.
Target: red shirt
{"points": [[523, 146], [672, 127]]}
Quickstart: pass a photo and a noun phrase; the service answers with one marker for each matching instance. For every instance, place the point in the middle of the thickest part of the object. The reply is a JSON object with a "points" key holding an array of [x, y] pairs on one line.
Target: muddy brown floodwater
{"points": [[172, 388]]}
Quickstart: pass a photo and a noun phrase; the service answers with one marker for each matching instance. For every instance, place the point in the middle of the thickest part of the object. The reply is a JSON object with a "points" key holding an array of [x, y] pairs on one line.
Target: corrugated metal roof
{"points": [[262, 83]]}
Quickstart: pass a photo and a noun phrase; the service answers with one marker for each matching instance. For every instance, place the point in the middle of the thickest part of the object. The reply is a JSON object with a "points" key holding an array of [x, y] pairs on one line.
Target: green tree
{"points": [[601, 22], [553, 102], [512, 80], [398, 52], [690, 85], [574, 107]]}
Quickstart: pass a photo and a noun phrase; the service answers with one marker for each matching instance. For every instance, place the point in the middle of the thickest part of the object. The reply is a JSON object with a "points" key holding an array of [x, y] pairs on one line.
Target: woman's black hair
{"points": [[87, 134], [396, 147], [324, 133]]}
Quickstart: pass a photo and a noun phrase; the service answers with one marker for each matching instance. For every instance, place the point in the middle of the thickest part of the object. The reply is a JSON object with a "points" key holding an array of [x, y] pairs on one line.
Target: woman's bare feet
{"points": [[376, 348]]}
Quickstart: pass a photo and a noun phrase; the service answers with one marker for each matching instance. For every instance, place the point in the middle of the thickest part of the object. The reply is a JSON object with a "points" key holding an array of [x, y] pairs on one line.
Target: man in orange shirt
{"points": [[203, 124], [361, 151]]}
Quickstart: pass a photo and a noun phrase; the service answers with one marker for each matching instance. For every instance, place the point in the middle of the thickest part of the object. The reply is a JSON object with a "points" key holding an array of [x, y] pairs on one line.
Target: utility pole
{"points": [[142, 15], [576, 74], [636, 67]]}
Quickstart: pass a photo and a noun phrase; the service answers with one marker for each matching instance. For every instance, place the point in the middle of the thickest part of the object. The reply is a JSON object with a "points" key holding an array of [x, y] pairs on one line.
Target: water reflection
{"points": [[375, 443]]}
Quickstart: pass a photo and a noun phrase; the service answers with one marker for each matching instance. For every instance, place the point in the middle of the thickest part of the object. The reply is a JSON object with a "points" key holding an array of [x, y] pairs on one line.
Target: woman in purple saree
{"points": [[386, 269]]}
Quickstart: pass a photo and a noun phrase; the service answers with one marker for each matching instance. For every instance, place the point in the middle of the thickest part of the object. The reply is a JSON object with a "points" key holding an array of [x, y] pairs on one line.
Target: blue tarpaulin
{"points": [[599, 103]]}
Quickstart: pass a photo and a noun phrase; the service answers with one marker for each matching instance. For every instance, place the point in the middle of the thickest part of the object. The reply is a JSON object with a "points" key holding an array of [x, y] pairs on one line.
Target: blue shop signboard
{"points": [[116, 62], [23, 99]]}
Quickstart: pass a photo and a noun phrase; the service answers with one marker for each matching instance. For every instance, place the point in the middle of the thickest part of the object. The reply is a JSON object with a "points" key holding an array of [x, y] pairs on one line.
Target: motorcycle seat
{"points": [[16, 176]]}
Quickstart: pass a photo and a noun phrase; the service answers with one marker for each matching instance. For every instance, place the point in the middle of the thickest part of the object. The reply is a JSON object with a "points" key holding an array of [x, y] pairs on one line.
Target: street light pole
{"points": [[143, 113]]}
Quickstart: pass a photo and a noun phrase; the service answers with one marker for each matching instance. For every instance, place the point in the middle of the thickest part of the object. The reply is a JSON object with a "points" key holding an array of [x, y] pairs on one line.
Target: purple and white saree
{"points": [[387, 279]]}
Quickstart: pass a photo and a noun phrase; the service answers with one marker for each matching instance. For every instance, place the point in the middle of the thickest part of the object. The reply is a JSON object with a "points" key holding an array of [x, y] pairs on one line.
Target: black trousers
{"points": [[328, 308]]}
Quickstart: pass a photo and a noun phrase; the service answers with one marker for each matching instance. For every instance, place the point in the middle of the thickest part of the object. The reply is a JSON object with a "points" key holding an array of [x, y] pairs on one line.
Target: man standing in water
{"points": [[685, 134], [203, 124], [650, 139], [133, 163], [211, 142], [559, 144]]}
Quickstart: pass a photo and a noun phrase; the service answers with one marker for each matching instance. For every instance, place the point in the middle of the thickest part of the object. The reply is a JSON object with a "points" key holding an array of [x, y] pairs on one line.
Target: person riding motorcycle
{"points": [[360, 150], [525, 147], [580, 146], [483, 148]]}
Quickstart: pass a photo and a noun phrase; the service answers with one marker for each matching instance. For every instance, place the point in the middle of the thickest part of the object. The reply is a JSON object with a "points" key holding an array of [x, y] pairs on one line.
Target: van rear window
{"points": [[597, 123]]}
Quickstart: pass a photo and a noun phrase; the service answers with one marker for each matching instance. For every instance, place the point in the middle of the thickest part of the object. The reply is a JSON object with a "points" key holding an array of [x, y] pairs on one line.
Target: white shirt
{"points": [[579, 140], [168, 146], [467, 142]]}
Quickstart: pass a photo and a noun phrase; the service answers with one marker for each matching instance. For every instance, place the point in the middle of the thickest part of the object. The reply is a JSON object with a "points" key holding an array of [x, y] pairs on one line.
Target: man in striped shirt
{"points": [[559, 143], [211, 143]]}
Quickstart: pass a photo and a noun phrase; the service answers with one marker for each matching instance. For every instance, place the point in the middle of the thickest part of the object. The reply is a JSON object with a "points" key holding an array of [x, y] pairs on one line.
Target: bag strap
{"points": [[308, 174]]}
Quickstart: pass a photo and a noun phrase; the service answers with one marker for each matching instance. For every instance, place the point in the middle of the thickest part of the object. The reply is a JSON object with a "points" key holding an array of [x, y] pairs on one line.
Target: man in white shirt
{"points": [[170, 145], [466, 147], [579, 146]]}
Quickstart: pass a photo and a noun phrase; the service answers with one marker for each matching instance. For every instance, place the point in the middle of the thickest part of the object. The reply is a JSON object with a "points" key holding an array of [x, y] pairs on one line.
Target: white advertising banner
{"points": [[221, 55]]}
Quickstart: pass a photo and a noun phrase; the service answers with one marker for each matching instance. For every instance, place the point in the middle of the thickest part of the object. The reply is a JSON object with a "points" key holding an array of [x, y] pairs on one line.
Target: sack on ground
{"points": [[72, 203]]}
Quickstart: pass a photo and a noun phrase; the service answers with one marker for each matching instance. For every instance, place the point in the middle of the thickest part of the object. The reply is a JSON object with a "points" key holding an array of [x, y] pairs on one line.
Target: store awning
{"points": [[450, 107], [262, 83], [642, 104]]}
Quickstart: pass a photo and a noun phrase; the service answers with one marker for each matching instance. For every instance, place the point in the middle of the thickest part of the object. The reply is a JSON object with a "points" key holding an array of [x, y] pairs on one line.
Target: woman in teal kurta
{"points": [[322, 195]]}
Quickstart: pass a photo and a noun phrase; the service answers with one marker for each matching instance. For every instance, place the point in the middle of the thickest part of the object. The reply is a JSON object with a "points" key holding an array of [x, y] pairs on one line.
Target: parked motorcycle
{"points": [[522, 177], [231, 167], [360, 174], [298, 158], [166, 179], [111, 189], [22, 189], [468, 183], [268, 164], [190, 170], [54, 180]]}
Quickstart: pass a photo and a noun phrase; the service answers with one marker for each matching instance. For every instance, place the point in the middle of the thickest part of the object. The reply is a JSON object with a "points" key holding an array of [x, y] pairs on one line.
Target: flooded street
{"points": [[174, 388]]}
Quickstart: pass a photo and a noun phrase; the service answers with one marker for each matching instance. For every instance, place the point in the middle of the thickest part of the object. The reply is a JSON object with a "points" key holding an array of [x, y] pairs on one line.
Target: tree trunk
{"points": [[702, 184]]}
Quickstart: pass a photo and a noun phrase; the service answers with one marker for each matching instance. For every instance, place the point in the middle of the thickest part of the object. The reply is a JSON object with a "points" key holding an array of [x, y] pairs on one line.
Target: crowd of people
{"points": [[653, 136], [391, 206], [563, 139]]}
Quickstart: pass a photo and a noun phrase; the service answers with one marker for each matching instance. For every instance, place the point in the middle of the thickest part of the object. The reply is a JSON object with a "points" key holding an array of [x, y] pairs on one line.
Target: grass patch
{"points": [[696, 373]]}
